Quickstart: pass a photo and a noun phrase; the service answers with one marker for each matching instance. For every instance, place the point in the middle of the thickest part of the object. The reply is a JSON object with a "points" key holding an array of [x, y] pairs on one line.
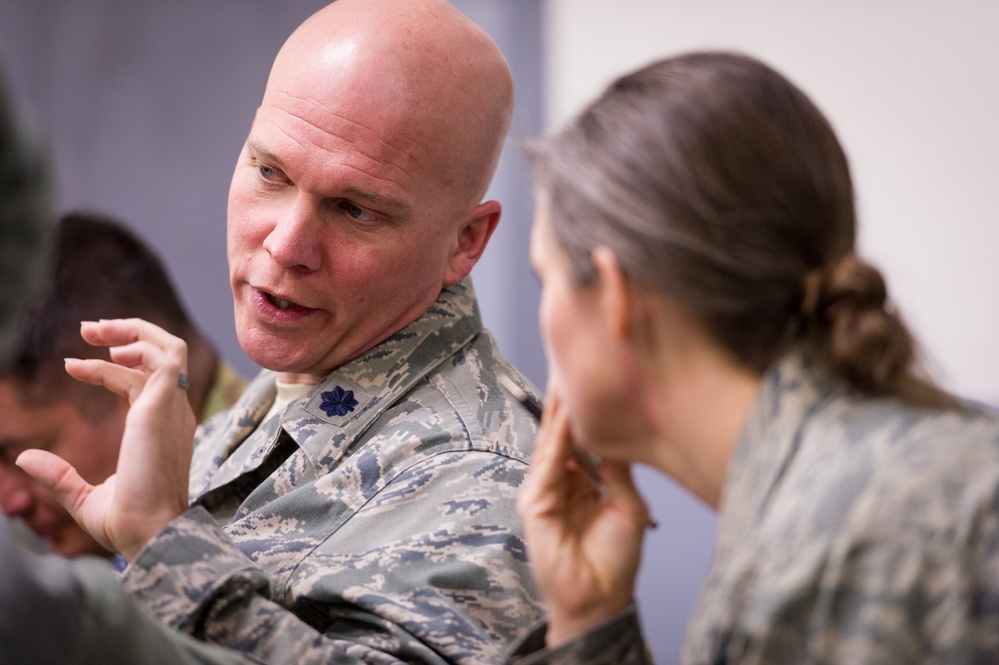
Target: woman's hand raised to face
{"points": [[584, 541], [149, 489]]}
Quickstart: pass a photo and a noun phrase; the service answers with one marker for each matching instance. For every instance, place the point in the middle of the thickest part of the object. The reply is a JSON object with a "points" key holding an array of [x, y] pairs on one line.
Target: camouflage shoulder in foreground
{"points": [[374, 520]]}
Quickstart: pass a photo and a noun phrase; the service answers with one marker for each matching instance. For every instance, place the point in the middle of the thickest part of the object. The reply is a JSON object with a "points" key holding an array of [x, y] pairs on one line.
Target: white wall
{"points": [[913, 90]]}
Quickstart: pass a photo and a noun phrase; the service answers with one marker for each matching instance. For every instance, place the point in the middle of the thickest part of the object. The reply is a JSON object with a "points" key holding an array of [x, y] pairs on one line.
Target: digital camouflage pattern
{"points": [[386, 534], [852, 530]]}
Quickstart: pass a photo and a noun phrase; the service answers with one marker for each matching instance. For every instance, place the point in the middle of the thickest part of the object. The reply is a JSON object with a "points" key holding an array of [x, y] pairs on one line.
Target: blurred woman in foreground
{"points": [[706, 313]]}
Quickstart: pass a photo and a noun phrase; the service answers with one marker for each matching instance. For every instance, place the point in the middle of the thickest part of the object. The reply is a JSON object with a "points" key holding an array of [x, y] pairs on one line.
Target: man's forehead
{"points": [[335, 151], [355, 115]]}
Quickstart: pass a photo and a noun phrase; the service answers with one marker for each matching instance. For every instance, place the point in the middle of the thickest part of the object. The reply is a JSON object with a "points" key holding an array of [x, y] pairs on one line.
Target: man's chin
{"points": [[278, 355], [270, 351], [274, 363]]}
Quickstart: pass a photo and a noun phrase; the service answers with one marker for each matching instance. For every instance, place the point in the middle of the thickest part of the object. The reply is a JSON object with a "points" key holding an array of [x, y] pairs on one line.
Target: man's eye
{"points": [[267, 172], [355, 212]]}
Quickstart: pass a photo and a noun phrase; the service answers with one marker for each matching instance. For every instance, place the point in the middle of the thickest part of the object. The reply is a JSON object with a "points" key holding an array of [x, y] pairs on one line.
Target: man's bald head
{"points": [[414, 68], [357, 196]]}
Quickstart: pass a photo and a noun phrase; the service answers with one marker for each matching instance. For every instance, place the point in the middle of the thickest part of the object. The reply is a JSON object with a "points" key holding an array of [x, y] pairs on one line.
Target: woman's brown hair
{"points": [[717, 181]]}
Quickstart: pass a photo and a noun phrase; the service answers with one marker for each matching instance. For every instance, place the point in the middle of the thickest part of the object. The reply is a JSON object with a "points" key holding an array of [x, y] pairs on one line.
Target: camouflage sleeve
{"points": [[904, 602], [887, 601], [76, 613], [415, 575], [117, 631], [619, 641]]}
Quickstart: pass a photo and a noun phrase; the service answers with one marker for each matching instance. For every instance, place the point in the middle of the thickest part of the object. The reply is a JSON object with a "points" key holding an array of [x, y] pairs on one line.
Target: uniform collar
{"points": [[355, 394], [345, 403]]}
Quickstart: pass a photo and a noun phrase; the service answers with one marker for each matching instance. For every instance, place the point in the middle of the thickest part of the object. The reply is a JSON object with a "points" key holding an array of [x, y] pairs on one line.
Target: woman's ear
{"points": [[617, 302]]}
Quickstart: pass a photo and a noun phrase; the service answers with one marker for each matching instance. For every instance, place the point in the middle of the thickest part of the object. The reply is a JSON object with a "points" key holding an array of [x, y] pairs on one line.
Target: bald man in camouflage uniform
{"points": [[358, 503], [387, 528]]}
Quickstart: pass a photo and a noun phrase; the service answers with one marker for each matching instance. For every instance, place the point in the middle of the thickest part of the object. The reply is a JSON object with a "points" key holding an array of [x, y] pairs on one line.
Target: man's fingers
{"points": [[119, 332], [617, 476], [123, 381], [137, 343], [151, 356], [58, 476], [141, 352]]}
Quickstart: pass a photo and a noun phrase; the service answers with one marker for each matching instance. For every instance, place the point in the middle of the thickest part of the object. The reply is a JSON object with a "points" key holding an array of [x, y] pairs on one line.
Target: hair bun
{"points": [[853, 284], [864, 340], [854, 328]]}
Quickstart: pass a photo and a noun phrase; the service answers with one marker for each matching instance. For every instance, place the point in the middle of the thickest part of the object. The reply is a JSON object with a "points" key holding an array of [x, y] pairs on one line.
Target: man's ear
{"points": [[617, 299], [473, 236]]}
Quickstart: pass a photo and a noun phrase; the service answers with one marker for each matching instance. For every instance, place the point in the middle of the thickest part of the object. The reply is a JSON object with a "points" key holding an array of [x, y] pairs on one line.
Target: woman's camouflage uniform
{"points": [[852, 530]]}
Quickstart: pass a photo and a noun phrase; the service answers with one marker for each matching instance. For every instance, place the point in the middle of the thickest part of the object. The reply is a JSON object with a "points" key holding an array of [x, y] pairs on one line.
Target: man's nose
{"points": [[16, 498], [294, 241]]}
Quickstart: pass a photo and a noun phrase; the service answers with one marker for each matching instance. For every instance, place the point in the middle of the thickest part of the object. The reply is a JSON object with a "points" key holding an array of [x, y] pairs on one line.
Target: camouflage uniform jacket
{"points": [[852, 530], [373, 521]]}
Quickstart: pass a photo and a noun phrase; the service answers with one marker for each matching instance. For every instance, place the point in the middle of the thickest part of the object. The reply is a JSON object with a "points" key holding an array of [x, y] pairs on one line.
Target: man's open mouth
{"points": [[280, 303]]}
